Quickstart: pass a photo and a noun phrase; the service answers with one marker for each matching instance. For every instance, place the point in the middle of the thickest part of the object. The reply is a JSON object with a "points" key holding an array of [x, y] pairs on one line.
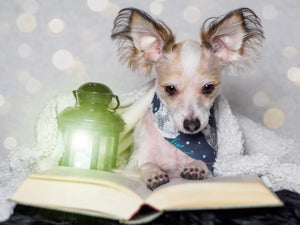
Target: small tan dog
{"points": [[177, 135]]}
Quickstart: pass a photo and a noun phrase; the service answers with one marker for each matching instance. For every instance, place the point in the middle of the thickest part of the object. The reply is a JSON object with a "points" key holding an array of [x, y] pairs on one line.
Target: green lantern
{"points": [[91, 128]]}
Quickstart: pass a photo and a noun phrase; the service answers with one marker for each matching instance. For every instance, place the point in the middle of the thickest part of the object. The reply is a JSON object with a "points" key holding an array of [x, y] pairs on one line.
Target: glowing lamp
{"points": [[91, 128]]}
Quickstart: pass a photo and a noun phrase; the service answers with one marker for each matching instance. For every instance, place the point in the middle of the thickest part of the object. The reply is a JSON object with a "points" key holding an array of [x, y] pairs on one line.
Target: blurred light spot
{"points": [[23, 76], [62, 59], [269, 12], [78, 73], [56, 26], [2, 100], [26, 22], [5, 108], [97, 5], [24, 50], [289, 52], [293, 74], [31, 6], [261, 99], [112, 9], [33, 86], [4, 28], [10, 143], [288, 105], [274, 118], [156, 7], [191, 14]]}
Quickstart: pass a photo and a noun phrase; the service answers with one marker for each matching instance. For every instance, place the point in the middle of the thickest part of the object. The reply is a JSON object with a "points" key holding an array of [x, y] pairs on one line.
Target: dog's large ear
{"points": [[235, 38], [142, 40]]}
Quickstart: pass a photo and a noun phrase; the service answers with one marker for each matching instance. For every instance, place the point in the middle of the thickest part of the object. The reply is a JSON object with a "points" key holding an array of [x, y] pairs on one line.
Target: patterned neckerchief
{"points": [[202, 145]]}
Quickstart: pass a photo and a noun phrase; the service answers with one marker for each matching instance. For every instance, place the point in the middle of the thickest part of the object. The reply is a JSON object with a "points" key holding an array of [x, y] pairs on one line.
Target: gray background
{"points": [[31, 43]]}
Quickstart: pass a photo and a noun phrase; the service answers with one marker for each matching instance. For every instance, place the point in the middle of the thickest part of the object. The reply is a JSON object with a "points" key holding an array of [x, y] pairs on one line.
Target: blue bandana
{"points": [[202, 145]]}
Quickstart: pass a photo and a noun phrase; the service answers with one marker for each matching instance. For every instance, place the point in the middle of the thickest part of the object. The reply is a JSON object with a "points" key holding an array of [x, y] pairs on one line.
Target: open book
{"points": [[114, 196]]}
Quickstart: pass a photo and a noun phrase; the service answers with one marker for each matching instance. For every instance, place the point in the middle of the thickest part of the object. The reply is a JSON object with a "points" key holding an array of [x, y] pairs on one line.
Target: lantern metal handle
{"points": [[118, 102]]}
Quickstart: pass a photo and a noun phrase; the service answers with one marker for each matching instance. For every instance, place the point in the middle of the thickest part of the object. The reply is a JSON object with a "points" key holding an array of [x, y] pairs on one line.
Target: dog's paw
{"points": [[196, 170], [156, 179], [153, 175]]}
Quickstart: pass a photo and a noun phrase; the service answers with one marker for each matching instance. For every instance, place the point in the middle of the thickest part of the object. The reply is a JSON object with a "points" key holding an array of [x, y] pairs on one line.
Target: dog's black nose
{"points": [[191, 125]]}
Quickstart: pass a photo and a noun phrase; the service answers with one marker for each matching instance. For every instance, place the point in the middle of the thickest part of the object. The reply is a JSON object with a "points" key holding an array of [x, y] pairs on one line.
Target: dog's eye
{"points": [[208, 89], [171, 90]]}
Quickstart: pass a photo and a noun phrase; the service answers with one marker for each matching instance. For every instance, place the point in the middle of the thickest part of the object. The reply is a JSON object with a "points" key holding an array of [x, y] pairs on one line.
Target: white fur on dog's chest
{"points": [[154, 148]]}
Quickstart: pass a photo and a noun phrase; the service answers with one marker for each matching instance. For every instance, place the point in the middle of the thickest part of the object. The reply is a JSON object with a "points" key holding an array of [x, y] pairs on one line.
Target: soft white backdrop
{"points": [[50, 47]]}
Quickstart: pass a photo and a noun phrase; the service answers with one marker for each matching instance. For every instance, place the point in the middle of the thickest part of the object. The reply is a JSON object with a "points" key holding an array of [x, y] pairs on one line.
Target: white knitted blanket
{"points": [[244, 147]]}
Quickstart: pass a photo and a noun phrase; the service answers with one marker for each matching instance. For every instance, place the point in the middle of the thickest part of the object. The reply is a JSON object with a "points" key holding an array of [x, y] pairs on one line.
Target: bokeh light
{"points": [[78, 72], [4, 28], [23, 76], [191, 14], [62, 59], [31, 84], [26, 22], [56, 26], [269, 12], [293, 75], [289, 52], [274, 118], [5, 108], [97, 5], [24, 50], [156, 7], [10, 143], [261, 99], [112, 9]]}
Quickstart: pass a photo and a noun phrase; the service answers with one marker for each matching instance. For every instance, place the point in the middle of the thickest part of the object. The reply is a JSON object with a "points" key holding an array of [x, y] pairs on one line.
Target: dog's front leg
{"points": [[196, 170], [153, 175]]}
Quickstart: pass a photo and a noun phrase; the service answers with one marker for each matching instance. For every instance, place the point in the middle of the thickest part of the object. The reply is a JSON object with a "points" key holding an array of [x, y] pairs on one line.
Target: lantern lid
{"points": [[94, 93], [95, 88], [92, 110]]}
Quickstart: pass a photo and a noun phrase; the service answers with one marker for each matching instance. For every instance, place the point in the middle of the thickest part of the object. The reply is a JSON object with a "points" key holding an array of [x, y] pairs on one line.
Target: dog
{"points": [[177, 135]]}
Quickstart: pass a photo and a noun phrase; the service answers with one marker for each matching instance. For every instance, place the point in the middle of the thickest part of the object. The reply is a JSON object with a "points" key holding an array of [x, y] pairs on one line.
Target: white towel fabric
{"points": [[244, 147]]}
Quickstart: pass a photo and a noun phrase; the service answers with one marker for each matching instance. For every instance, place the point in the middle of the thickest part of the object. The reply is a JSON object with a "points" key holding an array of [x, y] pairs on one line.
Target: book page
{"points": [[214, 193], [85, 198], [236, 179], [114, 180], [83, 191]]}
